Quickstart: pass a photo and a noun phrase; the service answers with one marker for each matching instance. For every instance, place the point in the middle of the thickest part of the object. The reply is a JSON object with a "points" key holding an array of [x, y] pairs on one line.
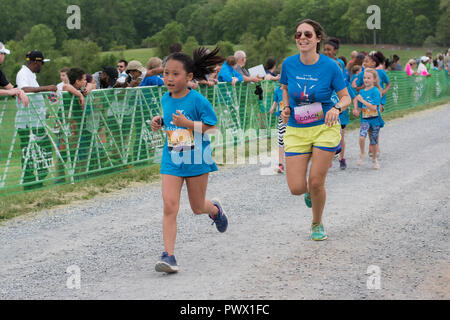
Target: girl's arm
{"points": [[272, 109], [367, 104], [286, 112], [180, 120], [356, 109], [385, 90]]}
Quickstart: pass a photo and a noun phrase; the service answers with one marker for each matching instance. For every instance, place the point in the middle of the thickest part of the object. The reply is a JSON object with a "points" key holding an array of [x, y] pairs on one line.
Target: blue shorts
{"points": [[373, 131]]}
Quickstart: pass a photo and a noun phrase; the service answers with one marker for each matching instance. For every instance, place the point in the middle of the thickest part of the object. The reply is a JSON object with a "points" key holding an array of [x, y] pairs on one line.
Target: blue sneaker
{"points": [[308, 200], [221, 219], [167, 264]]}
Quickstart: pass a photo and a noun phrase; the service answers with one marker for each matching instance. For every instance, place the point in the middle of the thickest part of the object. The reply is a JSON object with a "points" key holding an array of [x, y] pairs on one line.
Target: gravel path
{"points": [[396, 218]]}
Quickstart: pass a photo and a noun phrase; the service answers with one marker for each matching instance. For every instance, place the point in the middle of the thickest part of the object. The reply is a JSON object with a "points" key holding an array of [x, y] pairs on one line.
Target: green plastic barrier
{"points": [[54, 140]]}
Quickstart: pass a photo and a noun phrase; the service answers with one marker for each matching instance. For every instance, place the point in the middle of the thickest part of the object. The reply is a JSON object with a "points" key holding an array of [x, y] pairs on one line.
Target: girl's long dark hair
{"points": [[203, 63]]}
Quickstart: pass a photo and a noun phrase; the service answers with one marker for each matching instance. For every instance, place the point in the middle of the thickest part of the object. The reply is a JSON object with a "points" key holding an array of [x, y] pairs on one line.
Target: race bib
{"points": [[367, 113], [180, 140], [309, 113]]}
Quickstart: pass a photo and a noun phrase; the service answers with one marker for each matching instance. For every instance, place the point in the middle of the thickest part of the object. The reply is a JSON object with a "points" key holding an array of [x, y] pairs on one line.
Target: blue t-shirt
{"points": [[227, 72], [382, 76], [372, 96], [152, 81], [187, 153], [278, 97], [310, 88]]}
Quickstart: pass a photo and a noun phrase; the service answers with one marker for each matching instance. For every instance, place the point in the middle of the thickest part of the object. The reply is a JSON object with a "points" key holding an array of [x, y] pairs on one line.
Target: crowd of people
{"points": [[317, 90]]}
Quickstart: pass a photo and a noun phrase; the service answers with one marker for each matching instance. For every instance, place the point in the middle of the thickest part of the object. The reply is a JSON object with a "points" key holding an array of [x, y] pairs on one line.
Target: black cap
{"points": [[36, 56]]}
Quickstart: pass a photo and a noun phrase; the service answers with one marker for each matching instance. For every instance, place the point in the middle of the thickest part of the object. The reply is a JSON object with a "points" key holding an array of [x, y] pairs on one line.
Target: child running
{"points": [[187, 117], [278, 103], [368, 101]]}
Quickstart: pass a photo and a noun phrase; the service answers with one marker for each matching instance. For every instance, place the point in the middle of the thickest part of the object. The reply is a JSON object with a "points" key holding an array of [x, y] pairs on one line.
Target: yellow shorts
{"points": [[301, 140]]}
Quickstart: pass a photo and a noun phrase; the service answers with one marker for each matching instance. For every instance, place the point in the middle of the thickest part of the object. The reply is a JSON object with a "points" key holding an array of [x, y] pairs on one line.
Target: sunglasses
{"points": [[307, 34]]}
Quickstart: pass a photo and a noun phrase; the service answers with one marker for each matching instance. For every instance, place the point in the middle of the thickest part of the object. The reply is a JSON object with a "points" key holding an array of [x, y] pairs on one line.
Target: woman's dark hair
{"points": [[75, 74], [203, 63], [334, 42], [395, 58], [270, 63], [378, 57], [318, 29], [343, 59]]}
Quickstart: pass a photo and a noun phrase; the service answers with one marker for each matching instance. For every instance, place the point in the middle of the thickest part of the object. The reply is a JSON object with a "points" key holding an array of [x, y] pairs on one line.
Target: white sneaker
{"points": [[361, 159], [375, 164]]}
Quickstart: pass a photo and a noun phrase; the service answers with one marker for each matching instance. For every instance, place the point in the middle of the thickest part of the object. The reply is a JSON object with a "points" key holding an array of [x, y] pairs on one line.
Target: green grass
{"points": [[405, 53], [142, 55]]}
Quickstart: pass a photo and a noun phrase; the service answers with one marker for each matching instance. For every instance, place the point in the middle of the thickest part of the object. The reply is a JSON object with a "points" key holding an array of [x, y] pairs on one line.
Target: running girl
{"points": [[187, 156], [313, 131], [368, 101]]}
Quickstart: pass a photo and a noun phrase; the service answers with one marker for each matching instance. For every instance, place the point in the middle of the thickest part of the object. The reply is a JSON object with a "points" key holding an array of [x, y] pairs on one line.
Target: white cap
{"points": [[424, 59], [3, 49]]}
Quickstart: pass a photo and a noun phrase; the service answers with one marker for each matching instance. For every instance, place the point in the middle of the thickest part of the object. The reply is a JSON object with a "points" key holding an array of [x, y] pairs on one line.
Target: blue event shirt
{"points": [[152, 81], [373, 96], [187, 153], [278, 97], [311, 84], [227, 72], [382, 76]]}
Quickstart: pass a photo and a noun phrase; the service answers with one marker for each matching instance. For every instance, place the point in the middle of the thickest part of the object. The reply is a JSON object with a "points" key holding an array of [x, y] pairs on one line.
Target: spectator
{"points": [[447, 61], [353, 57], [107, 78], [270, 67], [121, 69], [409, 68], [440, 61], [64, 78], [422, 69], [31, 121], [429, 63], [136, 73], [9, 89], [396, 66], [156, 80], [174, 47], [73, 112], [227, 72], [241, 59]]}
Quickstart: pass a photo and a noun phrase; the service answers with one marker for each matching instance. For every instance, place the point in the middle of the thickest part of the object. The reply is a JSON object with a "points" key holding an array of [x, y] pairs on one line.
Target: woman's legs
{"points": [[296, 168], [320, 164], [171, 190], [196, 187]]}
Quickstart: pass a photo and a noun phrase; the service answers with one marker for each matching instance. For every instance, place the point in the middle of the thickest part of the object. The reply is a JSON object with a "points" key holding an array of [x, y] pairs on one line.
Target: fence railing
{"points": [[54, 140]]}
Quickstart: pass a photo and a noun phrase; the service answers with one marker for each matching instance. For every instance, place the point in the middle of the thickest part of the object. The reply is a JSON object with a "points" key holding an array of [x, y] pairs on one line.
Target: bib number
{"points": [[309, 113], [180, 140]]}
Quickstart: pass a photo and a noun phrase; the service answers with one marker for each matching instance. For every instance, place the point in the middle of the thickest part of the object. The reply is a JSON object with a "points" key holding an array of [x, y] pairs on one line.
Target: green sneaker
{"points": [[318, 232], [308, 200]]}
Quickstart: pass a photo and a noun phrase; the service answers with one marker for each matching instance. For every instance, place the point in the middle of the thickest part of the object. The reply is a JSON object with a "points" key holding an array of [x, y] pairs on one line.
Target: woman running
{"points": [[313, 130], [187, 156]]}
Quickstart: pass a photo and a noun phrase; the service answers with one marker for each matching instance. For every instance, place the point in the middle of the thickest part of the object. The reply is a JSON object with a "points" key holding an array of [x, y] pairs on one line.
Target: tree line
{"points": [[262, 27]]}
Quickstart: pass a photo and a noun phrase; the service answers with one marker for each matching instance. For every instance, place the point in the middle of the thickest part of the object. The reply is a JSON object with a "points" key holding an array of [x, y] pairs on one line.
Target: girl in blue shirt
{"points": [[187, 117], [313, 132], [367, 104]]}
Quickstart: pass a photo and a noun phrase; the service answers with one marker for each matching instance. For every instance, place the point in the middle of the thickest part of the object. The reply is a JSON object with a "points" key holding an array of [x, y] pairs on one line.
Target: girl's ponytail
{"points": [[205, 61]]}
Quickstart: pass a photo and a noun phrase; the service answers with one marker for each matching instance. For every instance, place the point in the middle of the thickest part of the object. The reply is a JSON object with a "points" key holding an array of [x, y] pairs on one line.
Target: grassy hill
{"points": [[405, 53]]}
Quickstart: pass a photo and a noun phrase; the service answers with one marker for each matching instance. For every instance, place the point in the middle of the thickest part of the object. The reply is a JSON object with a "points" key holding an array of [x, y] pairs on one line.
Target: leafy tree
{"points": [[226, 48], [190, 45], [169, 35]]}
